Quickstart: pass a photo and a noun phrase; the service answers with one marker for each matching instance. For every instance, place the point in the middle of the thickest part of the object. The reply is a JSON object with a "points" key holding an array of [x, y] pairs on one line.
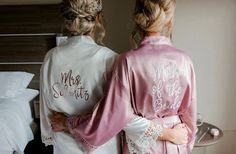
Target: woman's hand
{"points": [[58, 122], [178, 134]]}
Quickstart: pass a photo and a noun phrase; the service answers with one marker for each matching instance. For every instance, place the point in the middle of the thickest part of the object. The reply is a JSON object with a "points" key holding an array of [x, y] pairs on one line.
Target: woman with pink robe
{"points": [[155, 80]]}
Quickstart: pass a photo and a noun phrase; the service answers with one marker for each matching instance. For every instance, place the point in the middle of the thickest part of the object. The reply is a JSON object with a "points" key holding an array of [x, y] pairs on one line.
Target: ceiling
{"points": [[28, 2]]}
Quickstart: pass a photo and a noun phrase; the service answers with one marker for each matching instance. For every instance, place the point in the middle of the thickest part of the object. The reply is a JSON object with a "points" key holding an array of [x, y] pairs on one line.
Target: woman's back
{"points": [[161, 75], [163, 88], [74, 76], [78, 74]]}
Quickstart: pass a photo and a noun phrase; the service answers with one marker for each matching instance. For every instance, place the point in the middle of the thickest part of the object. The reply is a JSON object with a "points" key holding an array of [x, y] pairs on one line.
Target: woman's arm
{"points": [[45, 125], [141, 134], [188, 109], [134, 130], [177, 134], [111, 115]]}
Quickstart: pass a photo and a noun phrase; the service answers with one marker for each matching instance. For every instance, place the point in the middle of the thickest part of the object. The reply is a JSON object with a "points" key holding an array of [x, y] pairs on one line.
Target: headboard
{"points": [[27, 32], [25, 52]]}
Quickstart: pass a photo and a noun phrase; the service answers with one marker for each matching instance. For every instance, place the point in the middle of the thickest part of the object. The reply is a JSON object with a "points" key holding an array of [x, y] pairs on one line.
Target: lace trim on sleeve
{"points": [[71, 124], [147, 139], [47, 140]]}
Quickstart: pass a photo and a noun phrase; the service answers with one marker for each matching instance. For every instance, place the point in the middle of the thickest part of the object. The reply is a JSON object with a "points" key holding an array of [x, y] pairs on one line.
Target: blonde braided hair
{"points": [[83, 17], [152, 16]]}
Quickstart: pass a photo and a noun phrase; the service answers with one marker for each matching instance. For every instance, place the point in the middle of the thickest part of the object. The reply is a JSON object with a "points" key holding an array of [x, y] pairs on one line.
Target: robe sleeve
{"points": [[45, 126], [111, 115], [141, 134], [188, 109]]}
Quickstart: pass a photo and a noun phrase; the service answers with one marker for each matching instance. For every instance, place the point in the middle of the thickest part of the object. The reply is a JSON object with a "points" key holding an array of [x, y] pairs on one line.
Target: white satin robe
{"points": [[155, 81], [73, 78]]}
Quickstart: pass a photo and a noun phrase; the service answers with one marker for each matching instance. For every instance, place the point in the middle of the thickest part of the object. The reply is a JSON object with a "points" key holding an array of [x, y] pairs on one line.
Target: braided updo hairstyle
{"points": [[83, 17], [153, 16]]}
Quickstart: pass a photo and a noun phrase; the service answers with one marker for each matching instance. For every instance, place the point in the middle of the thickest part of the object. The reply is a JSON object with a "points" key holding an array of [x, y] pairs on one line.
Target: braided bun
{"points": [[153, 16], [80, 16]]}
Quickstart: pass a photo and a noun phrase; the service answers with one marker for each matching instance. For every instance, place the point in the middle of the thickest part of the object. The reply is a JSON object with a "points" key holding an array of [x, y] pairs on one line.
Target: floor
{"points": [[37, 147]]}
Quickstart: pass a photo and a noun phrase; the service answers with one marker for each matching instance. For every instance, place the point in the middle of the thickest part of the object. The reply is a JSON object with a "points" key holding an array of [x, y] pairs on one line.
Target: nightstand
{"points": [[204, 136]]}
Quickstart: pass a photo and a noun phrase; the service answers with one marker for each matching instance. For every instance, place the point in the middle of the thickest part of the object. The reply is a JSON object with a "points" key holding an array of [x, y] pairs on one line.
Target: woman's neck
{"points": [[153, 34], [156, 34]]}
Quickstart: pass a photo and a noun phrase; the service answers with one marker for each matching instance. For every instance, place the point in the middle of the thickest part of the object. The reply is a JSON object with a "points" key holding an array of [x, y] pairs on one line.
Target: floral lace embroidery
{"points": [[147, 139], [71, 124], [47, 140], [133, 149]]}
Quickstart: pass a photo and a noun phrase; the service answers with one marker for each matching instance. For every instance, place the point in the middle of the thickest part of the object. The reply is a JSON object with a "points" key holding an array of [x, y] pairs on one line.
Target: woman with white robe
{"points": [[73, 79]]}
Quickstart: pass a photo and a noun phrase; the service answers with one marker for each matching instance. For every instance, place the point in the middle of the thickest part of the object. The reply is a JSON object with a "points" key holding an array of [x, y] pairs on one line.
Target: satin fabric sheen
{"points": [[155, 81]]}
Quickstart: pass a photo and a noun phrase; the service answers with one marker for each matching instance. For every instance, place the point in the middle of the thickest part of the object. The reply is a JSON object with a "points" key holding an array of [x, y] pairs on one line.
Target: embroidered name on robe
{"points": [[70, 85]]}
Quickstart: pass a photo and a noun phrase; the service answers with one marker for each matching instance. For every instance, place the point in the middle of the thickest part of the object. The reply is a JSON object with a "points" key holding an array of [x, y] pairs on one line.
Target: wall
{"points": [[205, 29], [118, 16]]}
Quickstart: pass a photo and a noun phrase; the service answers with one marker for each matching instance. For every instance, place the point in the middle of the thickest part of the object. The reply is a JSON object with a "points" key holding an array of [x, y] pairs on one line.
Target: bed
{"points": [[27, 32], [16, 117], [21, 56]]}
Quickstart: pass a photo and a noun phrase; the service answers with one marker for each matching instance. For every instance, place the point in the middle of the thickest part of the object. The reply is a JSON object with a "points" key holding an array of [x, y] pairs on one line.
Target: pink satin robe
{"points": [[156, 81]]}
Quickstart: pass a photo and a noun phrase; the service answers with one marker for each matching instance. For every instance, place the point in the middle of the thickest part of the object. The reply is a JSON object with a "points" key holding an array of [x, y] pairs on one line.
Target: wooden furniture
{"points": [[27, 32], [204, 136]]}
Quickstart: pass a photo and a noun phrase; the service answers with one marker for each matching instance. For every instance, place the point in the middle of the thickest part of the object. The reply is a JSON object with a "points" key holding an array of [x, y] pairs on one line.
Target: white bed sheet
{"points": [[15, 120]]}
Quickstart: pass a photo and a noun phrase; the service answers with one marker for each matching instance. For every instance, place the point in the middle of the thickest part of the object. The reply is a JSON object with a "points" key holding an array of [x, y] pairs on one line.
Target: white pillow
{"points": [[22, 102], [27, 95], [13, 83]]}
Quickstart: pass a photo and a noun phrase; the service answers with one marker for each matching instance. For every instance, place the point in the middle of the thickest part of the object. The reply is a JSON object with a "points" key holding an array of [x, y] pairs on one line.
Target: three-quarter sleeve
{"points": [[45, 126], [111, 114], [141, 134]]}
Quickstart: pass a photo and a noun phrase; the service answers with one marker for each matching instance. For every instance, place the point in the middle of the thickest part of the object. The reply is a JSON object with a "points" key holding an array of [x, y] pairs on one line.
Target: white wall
{"points": [[206, 30]]}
